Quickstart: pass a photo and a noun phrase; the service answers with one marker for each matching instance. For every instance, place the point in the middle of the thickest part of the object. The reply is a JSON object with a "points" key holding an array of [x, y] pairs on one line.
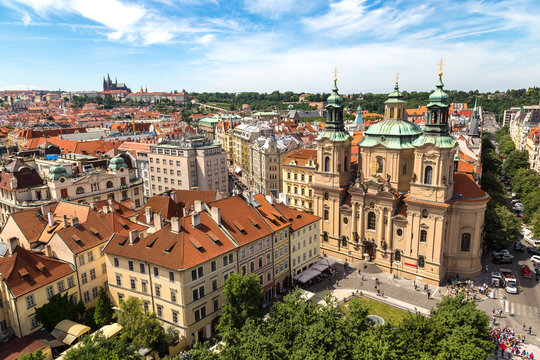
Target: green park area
{"points": [[387, 312]]}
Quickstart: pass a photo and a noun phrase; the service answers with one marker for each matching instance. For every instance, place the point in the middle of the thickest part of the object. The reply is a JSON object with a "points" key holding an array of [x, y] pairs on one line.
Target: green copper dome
{"points": [[56, 172], [395, 96], [334, 99], [116, 163], [439, 97], [392, 134]]}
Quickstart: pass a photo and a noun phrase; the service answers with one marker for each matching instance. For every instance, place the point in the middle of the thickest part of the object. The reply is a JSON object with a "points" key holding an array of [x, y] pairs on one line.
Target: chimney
{"points": [[196, 219], [216, 215], [65, 221], [198, 205], [250, 198], [75, 221], [93, 205], [111, 204], [13, 243], [48, 251], [148, 214], [105, 209], [158, 222], [44, 210], [133, 236], [185, 211], [284, 198], [173, 196], [50, 218], [175, 225], [270, 199]]}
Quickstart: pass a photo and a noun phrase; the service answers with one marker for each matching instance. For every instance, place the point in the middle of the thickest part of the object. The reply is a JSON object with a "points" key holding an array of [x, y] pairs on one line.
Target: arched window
{"points": [[397, 256], [398, 113], [428, 175], [405, 168], [391, 112], [421, 261], [326, 215], [371, 221], [345, 164], [109, 184], [79, 190], [343, 241], [327, 164], [325, 236], [379, 165], [466, 242], [423, 235]]}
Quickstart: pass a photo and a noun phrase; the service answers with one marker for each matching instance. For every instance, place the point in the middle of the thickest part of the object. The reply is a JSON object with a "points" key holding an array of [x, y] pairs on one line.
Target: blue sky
{"points": [[266, 45]]}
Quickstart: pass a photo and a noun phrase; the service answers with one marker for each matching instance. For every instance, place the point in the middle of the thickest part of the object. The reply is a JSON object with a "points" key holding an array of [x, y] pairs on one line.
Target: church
{"points": [[406, 207]]}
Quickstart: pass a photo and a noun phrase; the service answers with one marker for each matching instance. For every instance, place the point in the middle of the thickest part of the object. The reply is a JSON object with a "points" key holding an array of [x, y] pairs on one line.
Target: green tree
{"points": [[515, 161], [104, 308], [59, 307], [97, 347], [38, 355], [525, 181], [501, 226], [244, 300]]}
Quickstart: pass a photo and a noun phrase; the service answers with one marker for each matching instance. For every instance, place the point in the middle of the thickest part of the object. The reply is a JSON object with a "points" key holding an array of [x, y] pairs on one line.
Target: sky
{"points": [[267, 45]]}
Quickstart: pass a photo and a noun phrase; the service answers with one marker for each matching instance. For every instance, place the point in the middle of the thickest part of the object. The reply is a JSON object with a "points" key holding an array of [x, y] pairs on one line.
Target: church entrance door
{"points": [[370, 251]]}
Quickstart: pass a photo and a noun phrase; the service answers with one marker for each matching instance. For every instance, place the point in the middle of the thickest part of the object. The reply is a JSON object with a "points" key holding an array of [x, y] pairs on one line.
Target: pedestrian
{"points": [[428, 295], [344, 275], [382, 293], [524, 326], [530, 330], [487, 268], [362, 277]]}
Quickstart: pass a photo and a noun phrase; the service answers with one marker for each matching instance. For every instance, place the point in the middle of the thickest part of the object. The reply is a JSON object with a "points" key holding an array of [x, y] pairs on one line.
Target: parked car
{"points": [[533, 250], [518, 246], [526, 272], [535, 260], [504, 259], [532, 241], [503, 252]]}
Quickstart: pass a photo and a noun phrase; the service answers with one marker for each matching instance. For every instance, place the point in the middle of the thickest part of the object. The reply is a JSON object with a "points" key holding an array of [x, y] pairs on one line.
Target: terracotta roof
{"points": [[274, 218], [465, 188], [301, 156], [16, 347], [297, 218], [27, 262], [241, 220], [120, 208], [189, 247], [186, 198], [31, 222], [160, 204], [120, 225], [465, 167], [87, 235]]}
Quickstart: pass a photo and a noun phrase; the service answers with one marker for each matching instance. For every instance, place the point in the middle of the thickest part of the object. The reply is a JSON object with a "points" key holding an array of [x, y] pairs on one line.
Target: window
{"points": [[200, 313], [84, 278], [371, 220], [157, 288], [260, 262], [397, 256], [90, 256], [405, 168], [198, 293], [216, 304], [61, 286], [175, 316], [327, 164], [171, 276], [252, 266], [50, 291], [344, 241], [94, 292], [425, 213], [142, 268], [92, 274], [34, 323], [423, 235], [86, 296], [79, 190], [173, 295], [421, 262], [70, 281], [115, 260], [118, 280], [30, 301], [144, 286], [146, 306], [466, 242], [251, 249], [267, 242], [244, 270], [379, 165], [428, 174], [104, 268], [156, 271], [197, 273], [326, 215], [133, 284], [214, 284], [130, 265], [81, 259], [159, 310], [243, 253]]}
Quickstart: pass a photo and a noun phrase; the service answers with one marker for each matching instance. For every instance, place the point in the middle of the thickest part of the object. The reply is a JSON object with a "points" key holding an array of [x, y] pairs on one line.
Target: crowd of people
{"points": [[469, 289], [508, 343]]}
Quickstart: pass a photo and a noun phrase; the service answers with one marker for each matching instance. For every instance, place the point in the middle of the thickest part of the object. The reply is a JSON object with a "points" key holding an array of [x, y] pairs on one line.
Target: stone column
{"points": [[380, 227]]}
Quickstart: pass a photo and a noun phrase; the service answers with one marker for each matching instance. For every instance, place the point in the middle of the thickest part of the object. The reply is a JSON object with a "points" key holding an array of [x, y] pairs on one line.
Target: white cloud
{"points": [[26, 19], [269, 8]]}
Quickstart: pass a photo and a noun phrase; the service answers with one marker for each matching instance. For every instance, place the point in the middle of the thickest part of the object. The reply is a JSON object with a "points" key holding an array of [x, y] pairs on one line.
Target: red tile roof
{"points": [[16, 347], [160, 204], [465, 188], [274, 218], [297, 218]]}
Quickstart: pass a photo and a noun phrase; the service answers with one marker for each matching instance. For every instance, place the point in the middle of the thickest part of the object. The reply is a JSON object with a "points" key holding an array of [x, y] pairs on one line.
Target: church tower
{"points": [[474, 126], [333, 175]]}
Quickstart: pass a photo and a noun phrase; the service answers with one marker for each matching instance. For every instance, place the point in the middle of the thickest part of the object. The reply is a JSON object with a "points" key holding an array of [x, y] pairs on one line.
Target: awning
{"points": [[307, 275], [320, 267], [110, 330], [67, 331], [306, 295], [326, 261]]}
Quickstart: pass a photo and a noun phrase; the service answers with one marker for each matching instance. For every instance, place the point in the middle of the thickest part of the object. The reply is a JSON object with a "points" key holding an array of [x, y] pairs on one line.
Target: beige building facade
{"points": [[298, 172]]}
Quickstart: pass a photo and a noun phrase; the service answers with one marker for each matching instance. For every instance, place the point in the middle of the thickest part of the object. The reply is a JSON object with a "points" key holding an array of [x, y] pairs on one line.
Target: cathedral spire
{"points": [[474, 127], [334, 128]]}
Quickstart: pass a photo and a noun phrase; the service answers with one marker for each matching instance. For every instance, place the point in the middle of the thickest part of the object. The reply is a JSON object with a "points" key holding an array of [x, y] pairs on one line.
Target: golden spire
{"points": [[335, 75], [440, 63], [397, 77]]}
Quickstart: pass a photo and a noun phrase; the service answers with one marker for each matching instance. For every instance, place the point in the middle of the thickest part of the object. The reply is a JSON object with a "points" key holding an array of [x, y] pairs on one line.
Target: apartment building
{"points": [[298, 172], [140, 151], [252, 236], [28, 280], [266, 156], [178, 271], [194, 162], [242, 136]]}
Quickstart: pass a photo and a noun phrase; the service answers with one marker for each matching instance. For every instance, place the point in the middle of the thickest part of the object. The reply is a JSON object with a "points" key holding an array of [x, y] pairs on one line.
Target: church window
{"points": [[109, 184], [326, 215], [325, 196], [379, 165], [325, 236], [345, 167], [398, 113], [371, 221], [327, 164], [466, 242], [392, 112], [425, 213], [399, 232], [80, 190], [421, 261], [344, 241], [345, 220], [397, 256], [423, 235], [428, 174]]}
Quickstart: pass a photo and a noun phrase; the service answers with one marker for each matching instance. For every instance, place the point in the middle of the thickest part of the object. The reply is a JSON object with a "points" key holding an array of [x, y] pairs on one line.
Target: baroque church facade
{"points": [[406, 208]]}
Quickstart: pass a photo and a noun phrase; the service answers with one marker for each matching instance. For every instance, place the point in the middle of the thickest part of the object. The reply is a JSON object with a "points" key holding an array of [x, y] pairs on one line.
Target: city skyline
{"points": [[206, 45]]}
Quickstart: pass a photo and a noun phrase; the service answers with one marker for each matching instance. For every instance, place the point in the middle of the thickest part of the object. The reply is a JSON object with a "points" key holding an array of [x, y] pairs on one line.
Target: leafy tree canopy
{"points": [[59, 307], [515, 161], [97, 347], [38, 355], [104, 312]]}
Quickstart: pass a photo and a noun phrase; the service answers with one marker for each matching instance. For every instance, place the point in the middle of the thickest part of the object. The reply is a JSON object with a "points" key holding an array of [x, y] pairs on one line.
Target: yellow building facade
{"points": [[298, 173]]}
